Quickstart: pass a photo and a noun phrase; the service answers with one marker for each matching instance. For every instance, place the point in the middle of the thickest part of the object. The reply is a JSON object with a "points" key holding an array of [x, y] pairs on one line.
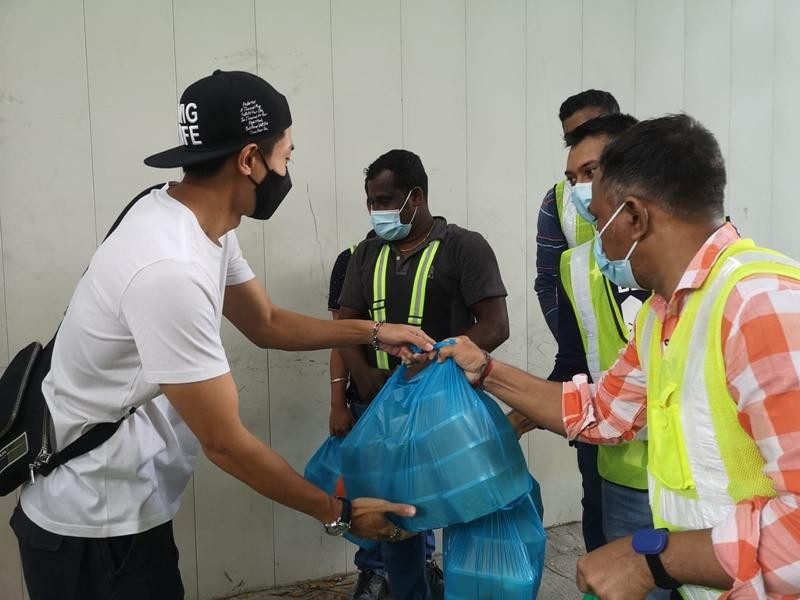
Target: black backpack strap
{"points": [[130, 206], [88, 441]]}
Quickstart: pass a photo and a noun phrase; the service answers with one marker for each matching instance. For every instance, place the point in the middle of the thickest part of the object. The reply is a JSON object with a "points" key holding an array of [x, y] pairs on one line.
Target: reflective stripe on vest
{"points": [[604, 333], [576, 229], [416, 308], [695, 484]]}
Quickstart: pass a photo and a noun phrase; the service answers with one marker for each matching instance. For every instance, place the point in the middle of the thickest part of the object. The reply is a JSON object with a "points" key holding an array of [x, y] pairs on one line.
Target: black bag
{"points": [[25, 422]]}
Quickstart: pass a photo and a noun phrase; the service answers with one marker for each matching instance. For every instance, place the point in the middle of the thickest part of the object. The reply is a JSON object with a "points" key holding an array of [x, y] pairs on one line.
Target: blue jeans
{"points": [[625, 511], [592, 521], [404, 562]]}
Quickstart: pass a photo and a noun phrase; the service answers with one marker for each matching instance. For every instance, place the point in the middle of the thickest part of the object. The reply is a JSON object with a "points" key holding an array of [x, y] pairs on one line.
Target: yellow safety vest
{"points": [[576, 229], [604, 333], [702, 463], [416, 308]]}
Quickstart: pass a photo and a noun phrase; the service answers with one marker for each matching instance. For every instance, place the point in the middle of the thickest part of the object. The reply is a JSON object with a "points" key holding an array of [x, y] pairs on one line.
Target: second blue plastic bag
{"points": [[499, 556], [324, 470], [435, 442]]}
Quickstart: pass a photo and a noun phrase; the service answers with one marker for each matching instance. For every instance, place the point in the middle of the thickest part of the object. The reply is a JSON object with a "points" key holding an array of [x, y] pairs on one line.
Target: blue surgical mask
{"points": [[387, 224], [616, 271], [581, 197]]}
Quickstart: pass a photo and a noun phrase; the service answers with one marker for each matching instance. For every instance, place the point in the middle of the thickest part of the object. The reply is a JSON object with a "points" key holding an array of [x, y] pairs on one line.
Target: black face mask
{"points": [[270, 192]]}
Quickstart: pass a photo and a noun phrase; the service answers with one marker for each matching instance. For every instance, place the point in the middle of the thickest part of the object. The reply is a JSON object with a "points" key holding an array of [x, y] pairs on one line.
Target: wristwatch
{"points": [[651, 543], [341, 525]]}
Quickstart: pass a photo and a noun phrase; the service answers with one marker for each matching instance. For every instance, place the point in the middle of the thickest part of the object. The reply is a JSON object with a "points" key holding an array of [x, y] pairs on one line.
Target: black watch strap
{"points": [[347, 510], [660, 576]]}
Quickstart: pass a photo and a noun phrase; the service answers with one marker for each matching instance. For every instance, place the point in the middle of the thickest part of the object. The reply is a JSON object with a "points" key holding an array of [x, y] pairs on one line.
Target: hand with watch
{"points": [[622, 569], [366, 518], [651, 543]]}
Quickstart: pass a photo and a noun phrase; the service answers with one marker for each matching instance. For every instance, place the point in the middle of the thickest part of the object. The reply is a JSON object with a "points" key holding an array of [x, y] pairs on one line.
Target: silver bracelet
{"points": [[375, 329], [338, 379]]}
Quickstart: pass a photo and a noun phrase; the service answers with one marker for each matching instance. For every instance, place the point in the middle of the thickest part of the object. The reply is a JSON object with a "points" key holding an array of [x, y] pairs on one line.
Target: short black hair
{"points": [[585, 99], [673, 161], [209, 168], [611, 125], [406, 168]]}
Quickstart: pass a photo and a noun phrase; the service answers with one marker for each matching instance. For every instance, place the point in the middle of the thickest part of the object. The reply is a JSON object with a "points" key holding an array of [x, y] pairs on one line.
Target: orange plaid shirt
{"points": [[758, 544]]}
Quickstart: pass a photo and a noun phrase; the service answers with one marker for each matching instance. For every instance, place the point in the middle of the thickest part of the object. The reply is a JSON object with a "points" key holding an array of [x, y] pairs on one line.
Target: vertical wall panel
{"points": [[10, 569], [496, 149], [209, 36], [787, 129], [551, 77], [434, 107], [752, 78], [707, 85], [46, 204], [660, 26], [294, 43], [131, 98], [367, 82], [609, 41]]}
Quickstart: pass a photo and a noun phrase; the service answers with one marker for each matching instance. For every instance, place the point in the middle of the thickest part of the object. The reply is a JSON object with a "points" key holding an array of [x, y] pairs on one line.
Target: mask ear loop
{"points": [[611, 220], [408, 197], [636, 243]]}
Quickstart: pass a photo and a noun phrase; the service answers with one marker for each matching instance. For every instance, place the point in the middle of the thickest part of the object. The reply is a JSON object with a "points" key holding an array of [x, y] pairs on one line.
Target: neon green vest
{"points": [[416, 308], [604, 333], [576, 229], [695, 484]]}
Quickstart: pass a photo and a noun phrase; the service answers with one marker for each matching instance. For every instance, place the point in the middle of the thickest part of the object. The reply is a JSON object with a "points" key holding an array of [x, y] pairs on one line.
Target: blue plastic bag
{"points": [[434, 442], [499, 556], [324, 470]]}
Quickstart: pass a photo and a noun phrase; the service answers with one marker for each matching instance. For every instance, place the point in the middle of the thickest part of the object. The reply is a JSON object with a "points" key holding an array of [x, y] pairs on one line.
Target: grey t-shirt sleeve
{"points": [[480, 274], [353, 289]]}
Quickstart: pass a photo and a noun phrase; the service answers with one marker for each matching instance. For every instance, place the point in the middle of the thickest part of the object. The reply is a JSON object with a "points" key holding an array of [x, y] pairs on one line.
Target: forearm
{"points": [[488, 334], [287, 330], [689, 558], [536, 398], [255, 464], [339, 376]]}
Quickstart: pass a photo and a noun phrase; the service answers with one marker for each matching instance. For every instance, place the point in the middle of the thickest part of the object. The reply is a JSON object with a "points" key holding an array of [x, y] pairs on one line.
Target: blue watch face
{"points": [[650, 541]]}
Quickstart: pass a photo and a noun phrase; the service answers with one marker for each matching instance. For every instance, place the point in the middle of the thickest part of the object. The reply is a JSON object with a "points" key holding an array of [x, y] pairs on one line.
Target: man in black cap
{"points": [[145, 320]]}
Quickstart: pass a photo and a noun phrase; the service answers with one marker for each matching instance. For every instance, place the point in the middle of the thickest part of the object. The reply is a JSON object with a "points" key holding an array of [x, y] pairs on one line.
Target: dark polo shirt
{"points": [[463, 273]]}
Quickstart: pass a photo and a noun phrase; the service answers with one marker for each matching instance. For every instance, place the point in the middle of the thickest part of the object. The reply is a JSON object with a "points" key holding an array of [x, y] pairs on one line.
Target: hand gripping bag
{"points": [[436, 443], [324, 471], [499, 556]]}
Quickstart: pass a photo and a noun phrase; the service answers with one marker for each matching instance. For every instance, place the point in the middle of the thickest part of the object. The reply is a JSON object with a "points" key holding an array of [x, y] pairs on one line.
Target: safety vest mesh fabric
{"points": [[702, 462], [602, 327], [416, 308], [577, 230]]}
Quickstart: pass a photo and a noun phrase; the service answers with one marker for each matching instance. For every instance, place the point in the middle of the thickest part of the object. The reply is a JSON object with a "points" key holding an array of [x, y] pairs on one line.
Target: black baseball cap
{"points": [[222, 113]]}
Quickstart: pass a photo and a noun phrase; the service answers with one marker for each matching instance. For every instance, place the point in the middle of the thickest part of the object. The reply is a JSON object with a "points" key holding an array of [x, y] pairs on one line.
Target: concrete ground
{"points": [[564, 546]]}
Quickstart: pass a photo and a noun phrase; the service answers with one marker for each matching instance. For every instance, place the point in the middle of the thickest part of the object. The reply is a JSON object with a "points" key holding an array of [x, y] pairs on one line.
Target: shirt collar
{"points": [[702, 263]]}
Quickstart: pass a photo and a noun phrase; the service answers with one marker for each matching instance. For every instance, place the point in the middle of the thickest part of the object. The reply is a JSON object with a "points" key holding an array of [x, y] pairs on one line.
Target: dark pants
{"points": [[404, 562], [592, 502], [143, 566]]}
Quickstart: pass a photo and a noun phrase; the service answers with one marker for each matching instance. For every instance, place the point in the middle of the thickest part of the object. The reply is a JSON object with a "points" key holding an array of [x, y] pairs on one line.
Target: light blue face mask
{"points": [[387, 224], [616, 271], [581, 197]]}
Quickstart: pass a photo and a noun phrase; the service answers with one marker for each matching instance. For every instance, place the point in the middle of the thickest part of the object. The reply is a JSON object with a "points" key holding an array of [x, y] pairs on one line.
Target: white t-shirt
{"points": [[147, 311]]}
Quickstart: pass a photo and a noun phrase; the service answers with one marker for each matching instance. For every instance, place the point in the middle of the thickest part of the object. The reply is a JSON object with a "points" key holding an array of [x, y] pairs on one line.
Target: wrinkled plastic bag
{"points": [[499, 556], [436, 443], [324, 470]]}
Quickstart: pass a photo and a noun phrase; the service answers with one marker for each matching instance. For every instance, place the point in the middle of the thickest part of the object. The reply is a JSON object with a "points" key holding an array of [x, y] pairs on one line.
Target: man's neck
{"points": [[418, 235], [674, 258], [211, 204]]}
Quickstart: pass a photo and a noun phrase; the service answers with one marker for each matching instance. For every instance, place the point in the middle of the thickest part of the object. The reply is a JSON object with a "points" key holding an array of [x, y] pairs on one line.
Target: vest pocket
{"points": [[666, 448]]}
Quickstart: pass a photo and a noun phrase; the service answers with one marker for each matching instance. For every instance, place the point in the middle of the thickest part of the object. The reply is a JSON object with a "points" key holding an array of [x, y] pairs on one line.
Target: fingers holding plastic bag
{"points": [[370, 520], [466, 354], [395, 339]]}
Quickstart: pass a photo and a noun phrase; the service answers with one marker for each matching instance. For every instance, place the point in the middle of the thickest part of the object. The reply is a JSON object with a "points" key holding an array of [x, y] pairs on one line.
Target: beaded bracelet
{"points": [[375, 329]]}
